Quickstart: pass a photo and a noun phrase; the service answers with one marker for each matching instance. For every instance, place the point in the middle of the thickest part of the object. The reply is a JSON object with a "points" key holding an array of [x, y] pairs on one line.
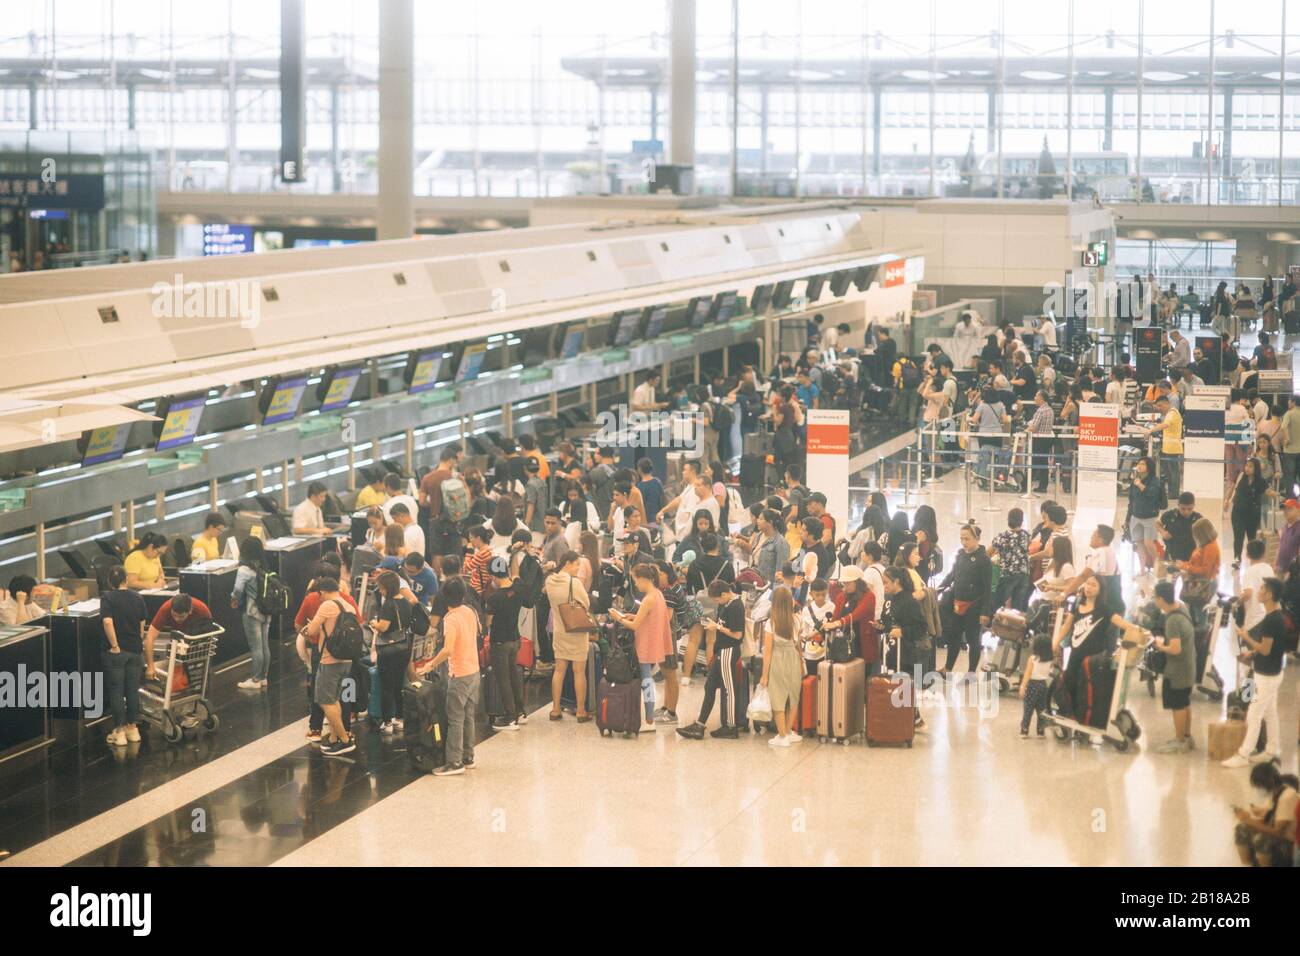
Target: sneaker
{"points": [[794, 738], [468, 763], [1262, 757], [1024, 735], [693, 731], [779, 741], [726, 733], [660, 711], [132, 734], [1174, 746], [398, 725], [504, 723], [521, 719], [647, 727], [665, 717], [450, 770], [117, 738], [685, 681], [265, 683], [313, 736], [360, 715], [1235, 762], [386, 727], [338, 748], [249, 684]]}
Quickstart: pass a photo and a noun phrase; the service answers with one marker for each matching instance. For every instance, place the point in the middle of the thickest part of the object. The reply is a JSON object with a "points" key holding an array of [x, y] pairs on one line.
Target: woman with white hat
{"points": [[855, 612]]}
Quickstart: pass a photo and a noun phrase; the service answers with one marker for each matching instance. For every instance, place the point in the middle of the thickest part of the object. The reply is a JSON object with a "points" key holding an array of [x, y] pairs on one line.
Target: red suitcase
{"points": [[805, 718], [618, 708], [890, 720]]}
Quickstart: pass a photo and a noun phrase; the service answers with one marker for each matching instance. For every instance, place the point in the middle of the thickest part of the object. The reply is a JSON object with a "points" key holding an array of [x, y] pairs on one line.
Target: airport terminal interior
{"points": [[682, 432]]}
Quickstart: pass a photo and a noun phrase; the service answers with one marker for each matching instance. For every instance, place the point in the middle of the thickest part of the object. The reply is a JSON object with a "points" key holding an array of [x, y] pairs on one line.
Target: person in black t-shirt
{"points": [[124, 615], [710, 566], [1264, 647], [392, 626], [726, 673], [1176, 529], [502, 608]]}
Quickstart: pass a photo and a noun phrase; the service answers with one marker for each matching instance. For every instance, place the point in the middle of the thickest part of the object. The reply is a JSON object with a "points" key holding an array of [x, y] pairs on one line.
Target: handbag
{"points": [[576, 618], [961, 607], [1199, 590]]}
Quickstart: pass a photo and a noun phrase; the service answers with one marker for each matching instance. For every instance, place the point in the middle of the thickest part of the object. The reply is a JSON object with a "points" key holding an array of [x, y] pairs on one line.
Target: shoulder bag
{"points": [[576, 618]]}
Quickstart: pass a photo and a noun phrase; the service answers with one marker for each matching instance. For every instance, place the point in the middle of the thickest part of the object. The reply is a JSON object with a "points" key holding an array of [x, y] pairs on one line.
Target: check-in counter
{"points": [[24, 651], [155, 598], [76, 647], [213, 582], [293, 560]]}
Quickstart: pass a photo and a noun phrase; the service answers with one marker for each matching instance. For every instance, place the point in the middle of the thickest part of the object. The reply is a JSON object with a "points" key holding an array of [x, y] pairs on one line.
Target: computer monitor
{"points": [[536, 345], [697, 312], [181, 418], [281, 398], [494, 355], [782, 295], [652, 321], [724, 303], [76, 562], [863, 276], [103, 444], [624, 327], [471, 362], [571, 343], [760, 299], [814, 290], [840, 282], [423, 369], [337, 386], [250, 524]]}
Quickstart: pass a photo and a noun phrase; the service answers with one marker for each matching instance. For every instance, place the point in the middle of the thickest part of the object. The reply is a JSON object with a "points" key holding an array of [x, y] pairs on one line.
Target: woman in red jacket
{"points": [[855, 611]]}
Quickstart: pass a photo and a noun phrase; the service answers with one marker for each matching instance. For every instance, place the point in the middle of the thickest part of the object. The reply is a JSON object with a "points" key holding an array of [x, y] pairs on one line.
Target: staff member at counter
{"points": [[181, 613], [308, 517], [123, 613], [143, 566], [207, 546], [16, 604]]}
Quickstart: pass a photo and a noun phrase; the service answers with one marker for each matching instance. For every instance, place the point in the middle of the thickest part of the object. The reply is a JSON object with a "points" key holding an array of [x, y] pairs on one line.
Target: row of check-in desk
{"points": [[70, 641]]}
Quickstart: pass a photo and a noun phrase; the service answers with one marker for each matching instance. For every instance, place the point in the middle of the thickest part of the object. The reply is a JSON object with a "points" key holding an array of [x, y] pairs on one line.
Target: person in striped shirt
{"points": [[1040, 439]]}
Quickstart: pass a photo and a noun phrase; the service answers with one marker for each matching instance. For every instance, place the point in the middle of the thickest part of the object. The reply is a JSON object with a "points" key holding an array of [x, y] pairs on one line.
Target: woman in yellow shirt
{"points": [[144, 565], [373, 494]]}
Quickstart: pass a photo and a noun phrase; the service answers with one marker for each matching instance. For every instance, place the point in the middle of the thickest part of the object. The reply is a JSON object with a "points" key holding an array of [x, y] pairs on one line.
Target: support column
{"points": [[875, 131], [681, 145], [1225, 154], [396, 203], [1108, 133], [336, 174], [991, 133]]}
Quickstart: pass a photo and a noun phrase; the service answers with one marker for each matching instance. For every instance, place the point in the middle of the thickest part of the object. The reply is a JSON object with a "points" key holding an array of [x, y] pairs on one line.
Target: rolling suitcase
{"points": [[841, 693], [568, 696], [424, 704], [618, 708], [805, 717], [889, 721], [758, 443], [753, 471]]}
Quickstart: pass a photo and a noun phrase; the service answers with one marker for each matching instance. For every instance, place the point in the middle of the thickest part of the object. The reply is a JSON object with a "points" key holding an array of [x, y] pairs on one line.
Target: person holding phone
{"points": [[124, 614], [725, 631]]}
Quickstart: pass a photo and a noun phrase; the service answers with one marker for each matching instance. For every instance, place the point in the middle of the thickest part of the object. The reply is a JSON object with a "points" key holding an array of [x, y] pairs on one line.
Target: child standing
{"points": [[1033, 688]]}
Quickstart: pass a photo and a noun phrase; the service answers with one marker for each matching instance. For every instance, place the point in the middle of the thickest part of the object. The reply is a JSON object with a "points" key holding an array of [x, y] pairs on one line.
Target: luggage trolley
{"points": [[1122, 728], [1015, 633], [176, 711]]}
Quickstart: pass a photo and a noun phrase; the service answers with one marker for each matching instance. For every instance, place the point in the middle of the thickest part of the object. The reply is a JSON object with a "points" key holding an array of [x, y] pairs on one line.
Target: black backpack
{"points": [[444, 537], [910, 374], [273, 595], [346, 642], [722, 417], [531, 581]]}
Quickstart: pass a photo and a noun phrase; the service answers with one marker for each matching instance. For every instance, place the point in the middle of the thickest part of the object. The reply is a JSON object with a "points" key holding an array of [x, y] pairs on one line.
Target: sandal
{"points": [[556, 716], [584, 718]]}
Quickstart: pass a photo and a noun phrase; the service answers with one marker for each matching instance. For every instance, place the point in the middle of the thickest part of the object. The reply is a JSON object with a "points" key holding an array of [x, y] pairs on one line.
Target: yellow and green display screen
{"points": [[106, 444], [181, 423]]}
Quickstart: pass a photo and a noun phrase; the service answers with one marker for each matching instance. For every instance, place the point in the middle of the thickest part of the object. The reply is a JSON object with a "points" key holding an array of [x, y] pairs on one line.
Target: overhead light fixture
{"points": [[1211, 235]]}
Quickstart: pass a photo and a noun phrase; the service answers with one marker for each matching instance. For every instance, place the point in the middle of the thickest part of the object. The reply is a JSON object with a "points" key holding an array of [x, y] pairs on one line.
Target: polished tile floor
{"points": [[969, 792]]}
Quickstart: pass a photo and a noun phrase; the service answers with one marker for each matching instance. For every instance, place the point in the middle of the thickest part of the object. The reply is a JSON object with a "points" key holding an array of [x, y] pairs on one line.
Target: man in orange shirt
{"points": [[528, 444], [460, 629]]}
